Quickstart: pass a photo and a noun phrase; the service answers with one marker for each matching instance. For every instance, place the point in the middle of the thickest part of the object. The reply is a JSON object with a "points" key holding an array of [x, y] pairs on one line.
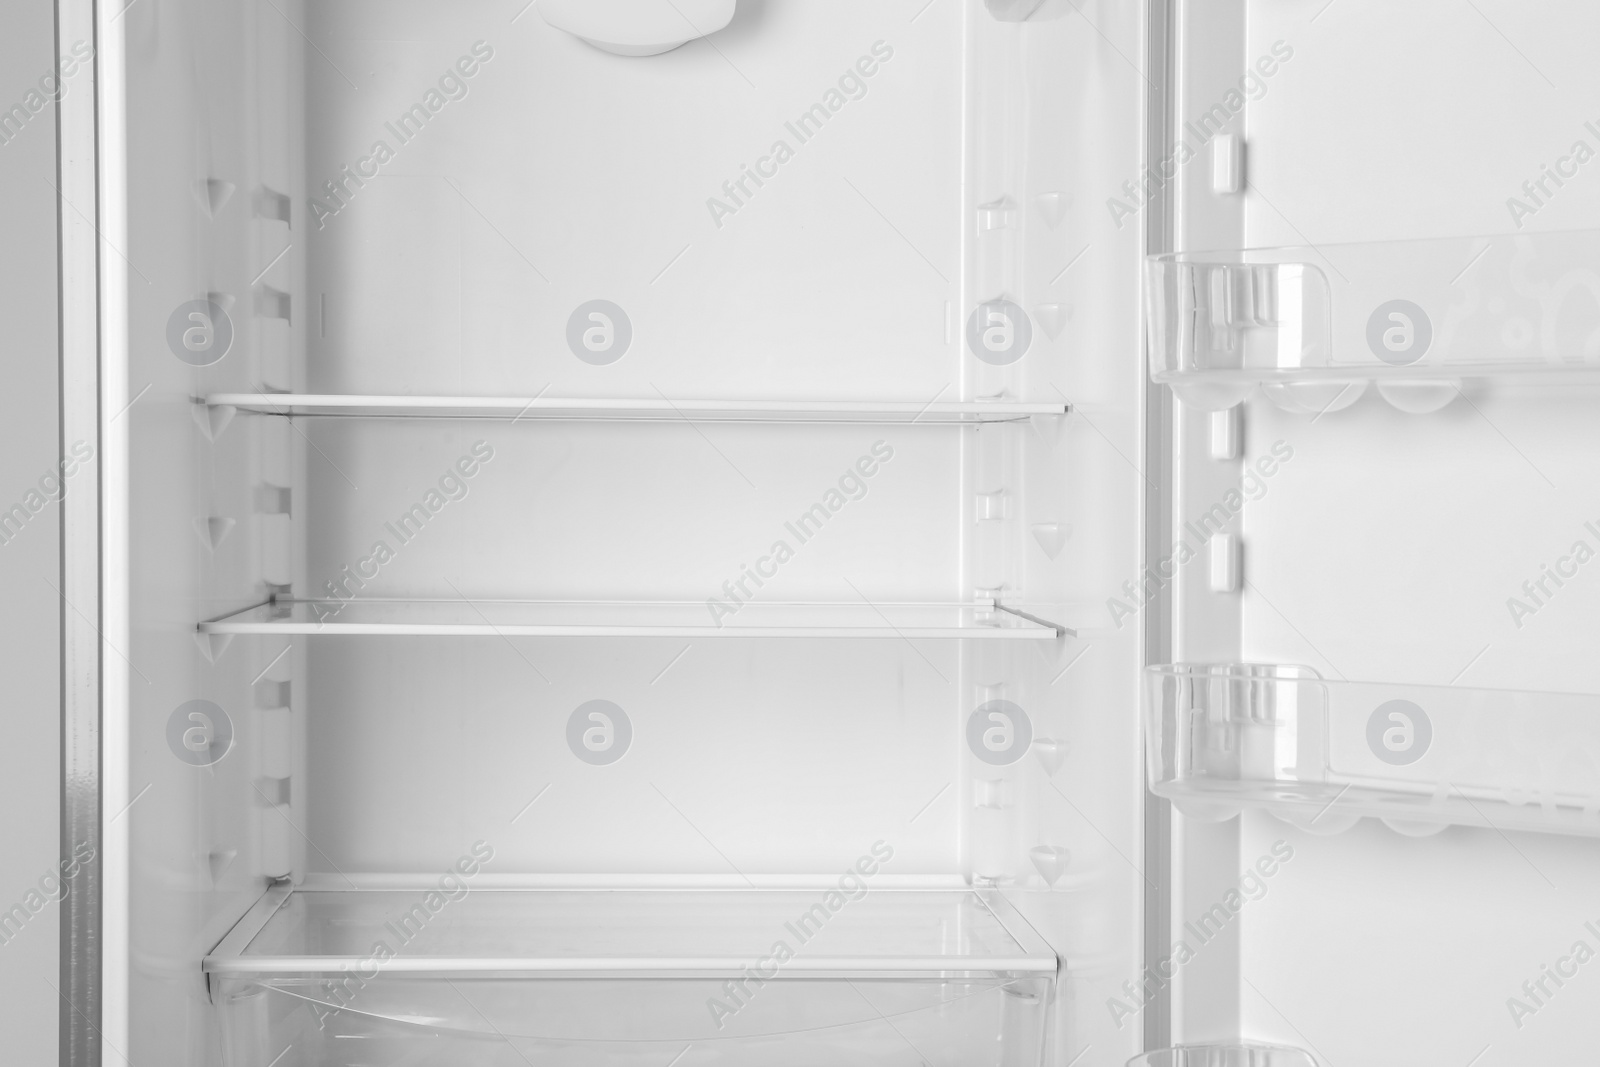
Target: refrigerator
{"points": [[922, 533]]}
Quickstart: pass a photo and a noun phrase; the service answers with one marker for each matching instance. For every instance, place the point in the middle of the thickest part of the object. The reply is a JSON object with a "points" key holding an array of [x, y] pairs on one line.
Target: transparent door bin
{"points": [[1315, 326], [1322, 754], [1224, 1056], [648, 977]]}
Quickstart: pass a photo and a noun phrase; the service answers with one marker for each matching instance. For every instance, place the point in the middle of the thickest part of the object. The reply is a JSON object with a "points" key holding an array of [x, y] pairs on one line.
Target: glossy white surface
{"points": [[638, 27]]}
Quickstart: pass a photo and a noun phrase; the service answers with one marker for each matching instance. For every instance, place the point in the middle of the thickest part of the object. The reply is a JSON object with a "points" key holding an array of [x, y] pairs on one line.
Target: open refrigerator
{"points": [[1031, 533]]}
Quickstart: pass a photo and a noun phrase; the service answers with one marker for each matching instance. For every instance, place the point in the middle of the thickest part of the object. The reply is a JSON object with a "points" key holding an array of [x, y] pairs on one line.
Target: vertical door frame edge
{"points": [[83, 1040], [1159, 236]]}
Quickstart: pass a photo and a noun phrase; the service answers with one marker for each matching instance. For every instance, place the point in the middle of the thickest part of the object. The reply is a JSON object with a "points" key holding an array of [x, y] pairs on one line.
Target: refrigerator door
{"points": [[1377, 318], [49, 812]]}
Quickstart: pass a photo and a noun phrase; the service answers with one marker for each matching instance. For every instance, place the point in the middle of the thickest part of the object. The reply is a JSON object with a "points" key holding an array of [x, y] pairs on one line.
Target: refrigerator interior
{"points": [[584, 528], [453, 576]]}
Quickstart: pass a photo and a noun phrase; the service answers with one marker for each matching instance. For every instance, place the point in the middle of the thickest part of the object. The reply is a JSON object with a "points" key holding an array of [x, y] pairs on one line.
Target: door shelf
{"points": [[1316, 325], [572, 618], [1322, 754], [607, 976], [654, 409]]}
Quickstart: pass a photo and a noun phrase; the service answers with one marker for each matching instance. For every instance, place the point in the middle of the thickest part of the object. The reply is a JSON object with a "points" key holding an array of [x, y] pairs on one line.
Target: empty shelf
{"points": [[661, 933], [636, 410], [559, 618], [479, 977], [1322, 754], [1401, 312]]}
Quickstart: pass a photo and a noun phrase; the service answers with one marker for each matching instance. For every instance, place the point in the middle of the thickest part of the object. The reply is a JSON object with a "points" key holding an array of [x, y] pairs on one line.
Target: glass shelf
{"points": [[564, 618], [1402, 313], [639, 978], [660, 409], [700, 933], [1322, 754]]}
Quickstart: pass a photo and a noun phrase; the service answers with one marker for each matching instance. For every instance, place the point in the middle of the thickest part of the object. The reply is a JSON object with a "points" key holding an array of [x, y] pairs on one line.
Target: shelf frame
{"points": [[1035, 957], [278, 616], [658, 409]]}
